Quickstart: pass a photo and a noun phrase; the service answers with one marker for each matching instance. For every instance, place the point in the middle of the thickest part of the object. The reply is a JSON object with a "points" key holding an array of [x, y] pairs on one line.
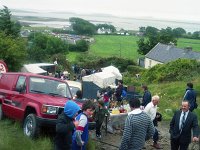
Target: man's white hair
{"points": [[155, 97]]}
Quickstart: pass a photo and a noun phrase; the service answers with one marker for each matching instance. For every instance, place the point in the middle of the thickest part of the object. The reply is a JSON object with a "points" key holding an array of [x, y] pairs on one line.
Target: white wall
{"points": [[148, 63]]}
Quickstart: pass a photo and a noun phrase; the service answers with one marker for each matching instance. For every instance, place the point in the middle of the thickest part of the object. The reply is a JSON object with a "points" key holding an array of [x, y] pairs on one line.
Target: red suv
{"points": [[35, 100]]}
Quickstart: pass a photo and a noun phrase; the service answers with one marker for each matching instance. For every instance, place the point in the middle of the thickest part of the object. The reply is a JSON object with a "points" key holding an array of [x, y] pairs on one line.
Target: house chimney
{"points": [[171, 44], [188, 48]]}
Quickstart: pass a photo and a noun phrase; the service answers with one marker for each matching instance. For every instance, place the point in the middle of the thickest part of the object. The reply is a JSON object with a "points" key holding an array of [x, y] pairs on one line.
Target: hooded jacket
{"points": [[65, 126]]}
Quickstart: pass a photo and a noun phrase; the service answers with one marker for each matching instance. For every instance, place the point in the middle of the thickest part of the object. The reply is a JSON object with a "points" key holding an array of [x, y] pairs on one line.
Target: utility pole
{"points": [[120, 46]]}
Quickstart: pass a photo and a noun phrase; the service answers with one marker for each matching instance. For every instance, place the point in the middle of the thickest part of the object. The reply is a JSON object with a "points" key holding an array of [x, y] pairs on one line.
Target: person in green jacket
{"points": [[100, 113]]}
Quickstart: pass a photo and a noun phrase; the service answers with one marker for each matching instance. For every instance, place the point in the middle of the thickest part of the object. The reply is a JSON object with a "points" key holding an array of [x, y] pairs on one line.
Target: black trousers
{"points": [[98, 128], [155, 135], [176, 144]]}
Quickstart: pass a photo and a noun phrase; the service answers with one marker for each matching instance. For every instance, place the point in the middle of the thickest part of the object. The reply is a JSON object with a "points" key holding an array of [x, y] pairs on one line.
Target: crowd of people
{"points": [[140, 125]]}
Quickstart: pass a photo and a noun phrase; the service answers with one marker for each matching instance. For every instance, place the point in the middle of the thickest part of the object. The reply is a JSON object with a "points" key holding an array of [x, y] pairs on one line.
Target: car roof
{"points": [[32, 75]]}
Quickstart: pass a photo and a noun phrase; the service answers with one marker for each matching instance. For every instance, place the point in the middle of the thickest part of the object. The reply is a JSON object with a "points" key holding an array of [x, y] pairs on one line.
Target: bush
{"points": [[181, 69], [81, 46], [134, 69], [91, 61], [63, 64]]}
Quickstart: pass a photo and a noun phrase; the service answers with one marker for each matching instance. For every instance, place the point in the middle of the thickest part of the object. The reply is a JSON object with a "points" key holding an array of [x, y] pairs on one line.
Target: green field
{"points": [[125, 46], [195, 44], [119, 46]]}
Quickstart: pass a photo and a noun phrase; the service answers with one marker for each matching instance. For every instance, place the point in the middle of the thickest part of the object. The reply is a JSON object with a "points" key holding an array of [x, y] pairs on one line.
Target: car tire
{"points": [[1, 113], [30, 126]]}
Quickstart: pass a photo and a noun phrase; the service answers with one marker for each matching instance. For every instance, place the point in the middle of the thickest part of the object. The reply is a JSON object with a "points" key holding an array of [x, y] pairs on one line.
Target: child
{"points": [[65, 126], [80, 136], [99, 115]]}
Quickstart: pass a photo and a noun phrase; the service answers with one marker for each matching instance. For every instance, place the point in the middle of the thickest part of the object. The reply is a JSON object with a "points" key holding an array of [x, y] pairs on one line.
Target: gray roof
{"points": [[166, 53]]}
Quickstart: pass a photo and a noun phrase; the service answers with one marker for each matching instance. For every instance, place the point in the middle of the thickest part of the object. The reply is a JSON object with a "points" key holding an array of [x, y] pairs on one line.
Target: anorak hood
{"points": [[71, 108]]}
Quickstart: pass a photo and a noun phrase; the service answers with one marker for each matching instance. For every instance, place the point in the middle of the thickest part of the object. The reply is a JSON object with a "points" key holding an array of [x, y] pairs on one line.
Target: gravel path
{"points": [[112, 141]]}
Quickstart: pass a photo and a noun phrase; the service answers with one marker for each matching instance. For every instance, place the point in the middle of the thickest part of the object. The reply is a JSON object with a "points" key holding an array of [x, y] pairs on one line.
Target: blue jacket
{"points": [[146, 98], [190, 95]]}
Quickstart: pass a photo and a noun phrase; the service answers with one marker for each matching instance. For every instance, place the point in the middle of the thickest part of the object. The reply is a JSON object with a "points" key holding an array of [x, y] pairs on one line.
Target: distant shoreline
{"points": [[129, 23]]}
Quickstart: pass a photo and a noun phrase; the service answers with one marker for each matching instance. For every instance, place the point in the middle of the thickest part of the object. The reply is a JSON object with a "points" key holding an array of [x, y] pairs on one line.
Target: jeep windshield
{"points": [[50, 87]]}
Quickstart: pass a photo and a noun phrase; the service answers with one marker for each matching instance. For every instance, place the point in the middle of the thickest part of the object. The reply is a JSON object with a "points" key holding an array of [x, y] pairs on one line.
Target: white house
{"points": [[163, 53]]}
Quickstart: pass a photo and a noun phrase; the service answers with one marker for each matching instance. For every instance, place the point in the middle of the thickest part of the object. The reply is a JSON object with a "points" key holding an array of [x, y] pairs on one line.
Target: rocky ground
{"points": [[112, 141]]}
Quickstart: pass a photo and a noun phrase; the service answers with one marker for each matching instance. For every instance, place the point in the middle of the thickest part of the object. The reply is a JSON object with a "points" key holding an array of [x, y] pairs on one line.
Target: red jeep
{"points": [[35, 100]]}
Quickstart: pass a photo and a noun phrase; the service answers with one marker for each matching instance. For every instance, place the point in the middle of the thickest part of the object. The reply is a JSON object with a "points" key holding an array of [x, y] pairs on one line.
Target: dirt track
{"points": [[114, 140]]}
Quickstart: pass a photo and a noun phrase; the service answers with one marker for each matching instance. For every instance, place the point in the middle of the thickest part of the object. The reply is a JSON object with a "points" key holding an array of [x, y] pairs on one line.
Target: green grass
{"points": [[171, 95], [72, 56], [124, 46], [115, 45], [11, 137], [195, 44]]}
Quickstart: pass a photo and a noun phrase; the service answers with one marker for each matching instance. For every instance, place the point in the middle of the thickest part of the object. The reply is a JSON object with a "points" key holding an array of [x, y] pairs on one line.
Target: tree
{"points": [[142, 29], [56, 45], [154, 36], [82, 27], [196, 35], [179, 32], [151, 31], [12, 51], [167, 36], [63, 63], [82, 45], [10, 28], [42, 47], [106, 26], [144, 46]]}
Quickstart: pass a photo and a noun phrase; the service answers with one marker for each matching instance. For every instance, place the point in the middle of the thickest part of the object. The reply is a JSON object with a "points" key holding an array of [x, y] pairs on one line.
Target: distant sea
{"points": [[118, 22]]}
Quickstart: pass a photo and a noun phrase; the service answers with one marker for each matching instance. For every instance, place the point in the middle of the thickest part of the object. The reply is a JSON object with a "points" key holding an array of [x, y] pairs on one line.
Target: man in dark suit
{"points": [[180, 128]]}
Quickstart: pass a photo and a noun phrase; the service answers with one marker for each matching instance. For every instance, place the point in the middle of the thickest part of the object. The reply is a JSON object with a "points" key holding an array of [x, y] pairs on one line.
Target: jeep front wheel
{"points": [[30, 126]]}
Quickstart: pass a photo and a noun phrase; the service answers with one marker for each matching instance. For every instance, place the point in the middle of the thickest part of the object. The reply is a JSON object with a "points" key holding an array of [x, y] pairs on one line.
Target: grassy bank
{"points": [[11, 137], [171, 95]]}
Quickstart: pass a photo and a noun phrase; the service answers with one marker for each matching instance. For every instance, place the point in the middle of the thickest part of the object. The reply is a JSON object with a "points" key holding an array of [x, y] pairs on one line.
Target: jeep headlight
{"points": [[51, 110]]}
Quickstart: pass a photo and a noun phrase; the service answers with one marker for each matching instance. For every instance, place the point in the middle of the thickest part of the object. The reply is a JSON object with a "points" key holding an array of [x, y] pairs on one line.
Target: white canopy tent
{"points": [[36, 68], [101, 79], [33, 69], [114, 70], [105, 78]]}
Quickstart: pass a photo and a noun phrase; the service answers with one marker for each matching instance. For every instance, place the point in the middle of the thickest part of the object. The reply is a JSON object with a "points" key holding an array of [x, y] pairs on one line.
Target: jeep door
{"points": [[16, 99]]}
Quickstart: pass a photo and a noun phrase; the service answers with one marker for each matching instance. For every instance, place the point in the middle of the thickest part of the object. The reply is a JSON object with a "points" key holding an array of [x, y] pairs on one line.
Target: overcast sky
{"points": [[164, 9]]}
